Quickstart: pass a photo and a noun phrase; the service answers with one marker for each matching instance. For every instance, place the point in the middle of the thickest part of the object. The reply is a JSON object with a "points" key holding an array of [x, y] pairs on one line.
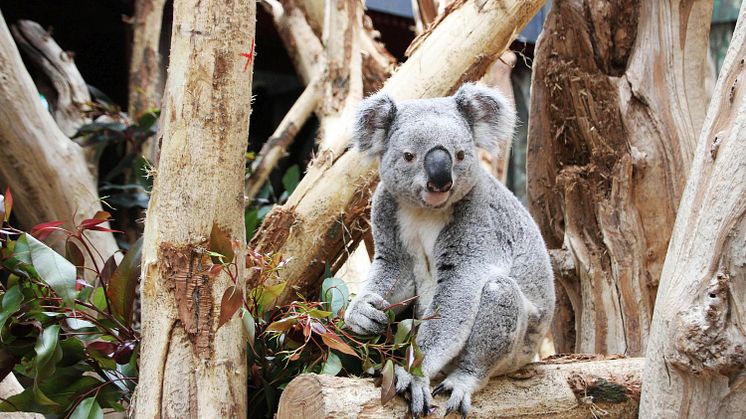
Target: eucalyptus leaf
{"points": [[333, 365], [335, 294]]}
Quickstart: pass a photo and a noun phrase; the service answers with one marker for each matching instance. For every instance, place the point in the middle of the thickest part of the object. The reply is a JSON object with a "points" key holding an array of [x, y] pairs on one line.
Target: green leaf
{"points": [[266, 295], [335, 294], [291, 178], [249, 325], [403, 330], [123, 282], [148, 118], [333, 365], [53, 269], [220, 242], [251, 220], [99, 299], [388, 385], [88, 409], [47, 352], [11, 304]]}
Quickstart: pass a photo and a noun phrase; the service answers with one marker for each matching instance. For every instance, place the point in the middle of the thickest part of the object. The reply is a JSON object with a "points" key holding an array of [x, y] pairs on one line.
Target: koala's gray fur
{"points": [[476, 258]]}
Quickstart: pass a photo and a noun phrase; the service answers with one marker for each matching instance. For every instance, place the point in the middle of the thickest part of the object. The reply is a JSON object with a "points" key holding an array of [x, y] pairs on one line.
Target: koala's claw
{"points": [[416, 390], [460, 399], [365, 315]]}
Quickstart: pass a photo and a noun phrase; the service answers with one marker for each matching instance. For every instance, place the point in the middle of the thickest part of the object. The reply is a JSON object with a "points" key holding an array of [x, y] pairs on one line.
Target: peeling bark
{"points": [[696, 359], [188, 367], [328, 204], [617, 98]]}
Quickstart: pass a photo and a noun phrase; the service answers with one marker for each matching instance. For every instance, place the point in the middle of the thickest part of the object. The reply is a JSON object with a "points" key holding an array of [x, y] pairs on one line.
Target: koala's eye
{"points": [[408, 156], [460, 155]]}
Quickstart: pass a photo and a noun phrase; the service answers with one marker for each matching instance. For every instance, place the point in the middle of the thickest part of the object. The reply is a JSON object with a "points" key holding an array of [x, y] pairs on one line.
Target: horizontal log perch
{"points": [[567, 387]]}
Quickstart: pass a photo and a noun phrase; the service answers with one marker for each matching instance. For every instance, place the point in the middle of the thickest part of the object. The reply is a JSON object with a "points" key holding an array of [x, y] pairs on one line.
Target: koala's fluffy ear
{"points": [[489, 113], [372, 122]]}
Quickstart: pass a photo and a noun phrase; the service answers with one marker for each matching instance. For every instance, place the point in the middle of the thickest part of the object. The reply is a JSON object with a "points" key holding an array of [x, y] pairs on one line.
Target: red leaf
{"points": [[220, 242], [104, 348], [8, 203], [43, 230], [229, 304], [333, 341], [108, 270], [124, 352]]}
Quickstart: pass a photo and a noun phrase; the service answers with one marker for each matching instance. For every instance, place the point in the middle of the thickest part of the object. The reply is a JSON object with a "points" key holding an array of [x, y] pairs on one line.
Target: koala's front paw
{"points": [[416, 389], [365, 315]]}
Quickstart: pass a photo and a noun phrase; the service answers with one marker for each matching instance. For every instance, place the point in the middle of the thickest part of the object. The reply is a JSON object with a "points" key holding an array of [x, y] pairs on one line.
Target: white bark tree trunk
{"points": [[696, 360], [188, 367]]}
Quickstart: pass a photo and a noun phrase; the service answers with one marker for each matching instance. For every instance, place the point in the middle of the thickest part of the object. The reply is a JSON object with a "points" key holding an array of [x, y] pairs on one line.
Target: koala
{"points": [[447, 231]]}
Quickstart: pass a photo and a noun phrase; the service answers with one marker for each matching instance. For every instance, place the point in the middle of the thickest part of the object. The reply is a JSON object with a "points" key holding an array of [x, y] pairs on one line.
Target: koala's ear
{"points": [[489, 113], [372, 122]]}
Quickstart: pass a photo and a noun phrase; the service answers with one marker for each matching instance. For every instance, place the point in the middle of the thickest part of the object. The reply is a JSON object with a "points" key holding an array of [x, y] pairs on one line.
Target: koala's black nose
{"points": [[438, 165]]}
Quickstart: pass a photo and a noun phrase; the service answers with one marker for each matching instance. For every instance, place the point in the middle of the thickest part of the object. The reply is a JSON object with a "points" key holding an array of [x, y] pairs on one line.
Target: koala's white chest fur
{"points": [[418, 230]]}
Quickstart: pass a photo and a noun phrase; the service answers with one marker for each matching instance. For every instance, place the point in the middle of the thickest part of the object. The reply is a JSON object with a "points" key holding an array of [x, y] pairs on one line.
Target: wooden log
{"points": [[617, 98], [563, 388], [324, 213], [695, 365], [45, 170]]}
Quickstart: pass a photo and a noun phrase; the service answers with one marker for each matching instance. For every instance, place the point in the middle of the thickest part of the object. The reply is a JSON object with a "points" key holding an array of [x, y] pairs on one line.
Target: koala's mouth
{"points": [[435, 199]]}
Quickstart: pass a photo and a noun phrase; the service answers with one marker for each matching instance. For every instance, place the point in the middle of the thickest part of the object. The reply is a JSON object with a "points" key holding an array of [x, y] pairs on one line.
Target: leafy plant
{"points": [[69, 341], [304, 336]]}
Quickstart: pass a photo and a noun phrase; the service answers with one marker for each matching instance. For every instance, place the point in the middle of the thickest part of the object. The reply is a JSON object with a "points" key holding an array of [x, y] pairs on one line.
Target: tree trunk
{"points": [[696, 357], [617, 99], [190, 368], [65, 89], [563, 388], [44, 169], [325, 212], [145, 84]]}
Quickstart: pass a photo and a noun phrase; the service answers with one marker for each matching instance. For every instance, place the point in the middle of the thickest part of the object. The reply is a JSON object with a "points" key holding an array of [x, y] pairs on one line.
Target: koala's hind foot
{"points": [[416, 390], [500, 328]]}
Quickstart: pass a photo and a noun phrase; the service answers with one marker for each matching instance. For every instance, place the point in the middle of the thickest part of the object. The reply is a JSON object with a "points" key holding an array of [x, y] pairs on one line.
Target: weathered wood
{"points": [[343, 81], [188, 367], [617, 99], [425, 12], [45, 170], [66, 91], [274, 149], [557, 389], [696, 360], [324, 213]]}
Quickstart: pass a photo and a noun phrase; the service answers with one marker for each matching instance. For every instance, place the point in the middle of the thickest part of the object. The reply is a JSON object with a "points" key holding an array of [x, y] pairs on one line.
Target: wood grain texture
{"points": [[618, 96], [551, 390], [697, 350]]}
